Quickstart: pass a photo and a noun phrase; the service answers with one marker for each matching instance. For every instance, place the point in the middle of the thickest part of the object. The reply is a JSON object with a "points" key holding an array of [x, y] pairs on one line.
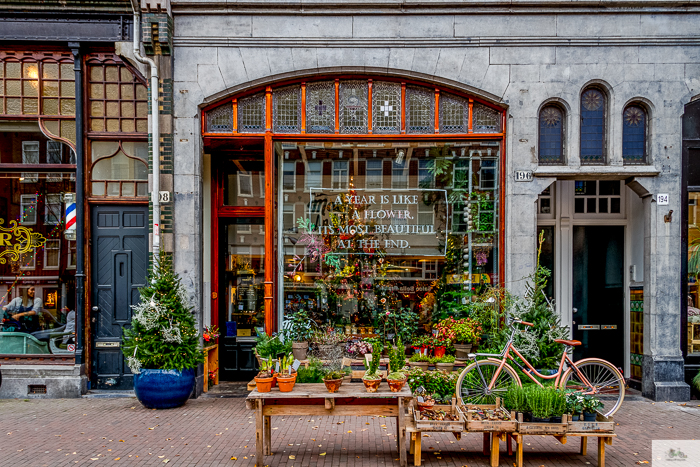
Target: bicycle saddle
{"points": [[565, 342]]}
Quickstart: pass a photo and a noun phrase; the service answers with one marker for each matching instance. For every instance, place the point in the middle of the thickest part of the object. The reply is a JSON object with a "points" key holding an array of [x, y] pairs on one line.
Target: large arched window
{"points": [[593, 109], [551, 135], [634, 135]]}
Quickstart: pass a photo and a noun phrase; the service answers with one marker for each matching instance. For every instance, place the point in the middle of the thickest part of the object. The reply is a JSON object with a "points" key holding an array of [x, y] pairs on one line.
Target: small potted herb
{"points": [[300, 332], [286, 378], [540, 402], [445, 363], [397, 363], [574, 405], [333, 379], [371, 378], [263, 381], [558, 405], [590, 406], [515, 399], [419, 360]]}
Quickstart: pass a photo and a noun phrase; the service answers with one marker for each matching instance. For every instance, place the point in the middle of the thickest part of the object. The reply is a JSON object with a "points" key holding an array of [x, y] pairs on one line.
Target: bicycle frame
{"points": [[505, 355]]}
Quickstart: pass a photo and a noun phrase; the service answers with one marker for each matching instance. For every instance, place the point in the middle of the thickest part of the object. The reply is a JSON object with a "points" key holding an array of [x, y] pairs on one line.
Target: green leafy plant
{"points": [[445, 359], [515, 399], [396, 376], [419, 357], [440, 384], [459, 331], [269, 346], [558, 403], [373, 370], [591, 403], [574, 402], [397, 356], [335, 374], [163, 333], [311, 374], [402, 322], [265, 368], [300, 329], [286, 364], [696, 381], [539, 400]]}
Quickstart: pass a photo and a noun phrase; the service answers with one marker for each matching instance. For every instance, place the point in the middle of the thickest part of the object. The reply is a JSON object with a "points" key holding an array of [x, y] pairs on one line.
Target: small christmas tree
{"points": [[163, 333]]}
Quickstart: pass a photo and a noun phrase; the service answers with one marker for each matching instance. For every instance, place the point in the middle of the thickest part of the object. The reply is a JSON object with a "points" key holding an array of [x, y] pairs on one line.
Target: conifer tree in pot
{"points": [[162, 346]]}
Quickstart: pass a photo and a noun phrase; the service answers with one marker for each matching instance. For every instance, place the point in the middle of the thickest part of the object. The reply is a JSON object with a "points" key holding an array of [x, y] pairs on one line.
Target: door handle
{"points": [[95, 308]]}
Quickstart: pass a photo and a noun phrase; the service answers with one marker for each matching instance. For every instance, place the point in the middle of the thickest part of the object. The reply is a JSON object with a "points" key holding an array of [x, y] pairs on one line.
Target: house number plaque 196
{"points": [[523, 175]]}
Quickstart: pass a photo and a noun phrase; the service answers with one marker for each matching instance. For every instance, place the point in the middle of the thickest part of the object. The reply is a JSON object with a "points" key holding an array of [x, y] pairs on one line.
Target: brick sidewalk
{"points": [[210, 431]]}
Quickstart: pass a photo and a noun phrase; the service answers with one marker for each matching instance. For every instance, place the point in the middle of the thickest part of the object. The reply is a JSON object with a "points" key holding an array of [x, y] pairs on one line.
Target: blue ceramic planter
{"points": [[163, 389]]}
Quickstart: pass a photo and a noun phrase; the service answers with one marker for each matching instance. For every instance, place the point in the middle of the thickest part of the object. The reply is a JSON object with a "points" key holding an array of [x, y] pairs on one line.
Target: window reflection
{"points": [[693, 273]]}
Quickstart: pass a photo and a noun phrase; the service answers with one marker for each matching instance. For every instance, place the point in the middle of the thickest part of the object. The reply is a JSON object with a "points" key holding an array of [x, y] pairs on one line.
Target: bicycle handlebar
{"points": [[518, 321]]}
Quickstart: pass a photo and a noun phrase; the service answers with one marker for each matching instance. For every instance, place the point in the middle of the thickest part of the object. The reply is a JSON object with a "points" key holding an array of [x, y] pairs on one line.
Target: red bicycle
{"points": [[483, 380]]}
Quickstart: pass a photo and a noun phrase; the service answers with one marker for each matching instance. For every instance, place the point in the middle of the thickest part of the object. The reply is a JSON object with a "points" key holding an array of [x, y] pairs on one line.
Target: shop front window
{"points": [[693, 328], [359, 240]]}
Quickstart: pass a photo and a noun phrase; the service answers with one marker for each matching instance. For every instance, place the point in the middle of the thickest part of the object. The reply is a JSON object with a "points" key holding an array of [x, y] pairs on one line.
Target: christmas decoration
{"points": [[163, 333]]}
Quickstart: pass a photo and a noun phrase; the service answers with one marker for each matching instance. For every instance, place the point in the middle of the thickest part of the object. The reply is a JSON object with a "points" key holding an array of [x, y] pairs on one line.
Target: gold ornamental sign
{"points": [[16, 240]]}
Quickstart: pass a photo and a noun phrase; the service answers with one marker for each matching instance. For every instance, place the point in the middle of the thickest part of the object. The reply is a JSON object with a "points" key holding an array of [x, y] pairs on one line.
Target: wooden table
{"points": [[314, 399]]}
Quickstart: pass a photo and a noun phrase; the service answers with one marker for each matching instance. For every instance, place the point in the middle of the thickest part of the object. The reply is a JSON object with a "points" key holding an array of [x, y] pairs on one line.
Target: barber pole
{"points": [[70, 233]]}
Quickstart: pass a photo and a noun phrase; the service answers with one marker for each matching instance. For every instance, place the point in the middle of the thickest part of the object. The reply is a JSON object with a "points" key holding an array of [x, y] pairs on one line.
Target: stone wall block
{"points": [[216, 26], [401, 58], [403, 26], [304, 58], [280, 60], [496, 79], [302, 26], [555, 73], [524, 73], [609, 55], [255, 62], [184, 59], [425, 60], [669, 54], [684, 25], [449, 63], [504, 25], [210, 79], [475, 66], [637, 72], [187, 95], [230, 62], [668, 72], [692, 78], [522, 55], [611, 25]]}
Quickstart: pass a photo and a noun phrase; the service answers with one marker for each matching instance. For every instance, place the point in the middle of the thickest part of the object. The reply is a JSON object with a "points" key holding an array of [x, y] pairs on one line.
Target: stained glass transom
{"points": [[286, 109], [420, 110], [353, 107], [386, 107], [454, 114], [220, 120], [592, 127], [634, 122], [551, 147], [251, 114], [485, 119], [320, 107]]}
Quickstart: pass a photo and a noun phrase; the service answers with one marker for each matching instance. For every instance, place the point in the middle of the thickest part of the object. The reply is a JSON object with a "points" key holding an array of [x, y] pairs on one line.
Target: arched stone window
{"points": [[593, 126], [551, 135], [634, 134]]}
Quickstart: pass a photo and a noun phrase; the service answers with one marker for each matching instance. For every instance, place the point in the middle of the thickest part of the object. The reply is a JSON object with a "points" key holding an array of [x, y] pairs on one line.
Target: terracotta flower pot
{"points": [[448, 367], [263, 384], [372, 384], [424, 405], [333, 384], [286, 383], [300, 350], [462, 350], [422, 365], [440, 352], [396, 384]]}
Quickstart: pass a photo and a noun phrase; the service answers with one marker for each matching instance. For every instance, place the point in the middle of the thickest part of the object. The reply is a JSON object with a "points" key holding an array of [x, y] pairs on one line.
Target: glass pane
{"points": [[592, 126], [141, 92], [97, 91], [13, 70], [50, 89], [142, 126], [142, 189], [286, 109], [31, 71], [453, 114], [693, 299], [579, 205], [244, 183], [50, 70], [353, 107], [31, 88], [67, 89], [112, 91], [634, 135], [31, 106], [609, 187], [128, 189], [50, 106], [219, 120], [142, 109], [67, 107], [112, 109], [320, 107], [111, 73], [590, 205], [128, 110], [614, 205], [126, 75], [251, 114], [97, 109], [551, 143], [420, 110], [113, 125], [67, 71], [585, 188], [603, 205], [68, 129], [13, 106], [112, 189], [97, 124], [127, 91], [128, 126], [485, 119], [386, 107], [13, 88], [103, 148], [96, 73]]}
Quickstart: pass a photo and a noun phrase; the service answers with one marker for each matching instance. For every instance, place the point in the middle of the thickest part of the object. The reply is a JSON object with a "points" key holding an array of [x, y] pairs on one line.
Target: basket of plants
{"points": [[585, 417], [439, 418], [541, 410], [489, 418]]}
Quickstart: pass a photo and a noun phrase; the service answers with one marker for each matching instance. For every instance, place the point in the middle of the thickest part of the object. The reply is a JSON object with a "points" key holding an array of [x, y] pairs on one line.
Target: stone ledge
{"points": [[596, 172], [61, 381]]}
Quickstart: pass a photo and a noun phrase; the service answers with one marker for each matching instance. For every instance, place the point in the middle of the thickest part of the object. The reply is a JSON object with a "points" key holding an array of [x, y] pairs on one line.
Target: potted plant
{"points": [[397, 363], [590, 405], [440, 345], [558, 405], [539, 400], [327, 340], [358, 349], [445, 363], [419, 360], [574, 405], [265, 377], [286, 377], [299, 332], [402, 323], [515, 399], [371, 378], [162, 345], [333, 379], [210, 334], [464, 333], [420, 344]]}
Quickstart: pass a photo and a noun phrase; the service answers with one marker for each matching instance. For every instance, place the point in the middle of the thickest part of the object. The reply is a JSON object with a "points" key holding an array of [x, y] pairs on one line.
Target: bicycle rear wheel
{"points": [[606, 382], [473, 382]]}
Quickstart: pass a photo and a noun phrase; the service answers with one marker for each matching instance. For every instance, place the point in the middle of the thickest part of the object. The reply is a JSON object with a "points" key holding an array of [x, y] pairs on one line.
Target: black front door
{"points": [[598, 295], [119, 268]]}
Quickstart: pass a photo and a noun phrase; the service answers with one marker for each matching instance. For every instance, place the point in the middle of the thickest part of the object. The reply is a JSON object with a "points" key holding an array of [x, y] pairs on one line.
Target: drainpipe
{"points": [[154, 130]]}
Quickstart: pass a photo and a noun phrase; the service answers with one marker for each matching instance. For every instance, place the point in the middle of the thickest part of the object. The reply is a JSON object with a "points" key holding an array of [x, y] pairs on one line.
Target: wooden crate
{"points": [[438, 425], [602, 424], [529, 428], [495, 426]]}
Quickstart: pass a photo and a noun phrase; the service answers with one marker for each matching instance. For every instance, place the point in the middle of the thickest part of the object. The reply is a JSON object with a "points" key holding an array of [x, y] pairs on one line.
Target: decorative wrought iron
{"points": [[251, 114], [320, 107], [386, 107], [592, 127], [353, 107], [286, 109], [454, 114], [551, 139], [220, 120], [634, 135], [420, 110], [485, 119]]}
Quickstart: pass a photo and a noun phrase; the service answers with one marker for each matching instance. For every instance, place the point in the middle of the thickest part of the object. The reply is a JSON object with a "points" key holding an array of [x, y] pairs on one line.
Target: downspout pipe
{"points": [[154, 130]]}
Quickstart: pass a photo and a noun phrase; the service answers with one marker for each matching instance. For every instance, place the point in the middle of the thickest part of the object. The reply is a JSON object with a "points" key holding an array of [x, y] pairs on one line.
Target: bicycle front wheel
{"points": [[600, 378], [473, 382]]}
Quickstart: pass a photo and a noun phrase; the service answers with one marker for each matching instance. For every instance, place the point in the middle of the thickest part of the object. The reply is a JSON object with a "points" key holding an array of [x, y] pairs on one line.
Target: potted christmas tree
{"points": [[162, 346]]}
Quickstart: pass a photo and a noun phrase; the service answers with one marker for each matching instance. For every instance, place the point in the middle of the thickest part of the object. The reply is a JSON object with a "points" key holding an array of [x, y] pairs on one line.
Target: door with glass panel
{"points": [[241, 283]]}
